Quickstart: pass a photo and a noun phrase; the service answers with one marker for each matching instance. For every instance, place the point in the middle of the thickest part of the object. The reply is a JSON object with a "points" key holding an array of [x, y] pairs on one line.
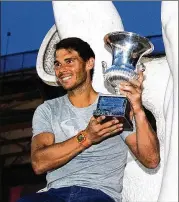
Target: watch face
{"points": [[81, 137]]}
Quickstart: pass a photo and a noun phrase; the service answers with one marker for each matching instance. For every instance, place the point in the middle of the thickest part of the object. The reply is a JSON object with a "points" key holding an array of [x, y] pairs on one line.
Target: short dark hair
{"points": [[83, 48]]}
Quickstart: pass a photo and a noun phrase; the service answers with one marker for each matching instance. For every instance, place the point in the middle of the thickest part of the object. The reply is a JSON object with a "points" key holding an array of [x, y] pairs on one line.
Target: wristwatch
{"points": [[81, 139]]}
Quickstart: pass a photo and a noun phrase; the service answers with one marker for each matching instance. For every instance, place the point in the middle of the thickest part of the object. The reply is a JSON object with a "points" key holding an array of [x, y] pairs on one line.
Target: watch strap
{"points": [[82, 139]]}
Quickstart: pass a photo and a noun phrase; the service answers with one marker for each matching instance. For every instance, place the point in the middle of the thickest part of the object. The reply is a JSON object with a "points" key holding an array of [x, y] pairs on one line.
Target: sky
{"points": [[29, 21]]}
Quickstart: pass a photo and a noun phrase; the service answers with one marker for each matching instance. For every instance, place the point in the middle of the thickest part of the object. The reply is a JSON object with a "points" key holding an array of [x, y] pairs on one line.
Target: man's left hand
{"points": [[133, 91]]}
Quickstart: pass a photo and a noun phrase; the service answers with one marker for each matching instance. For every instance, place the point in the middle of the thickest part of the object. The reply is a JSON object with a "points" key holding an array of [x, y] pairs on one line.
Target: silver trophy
{"points": [[127, 50]]}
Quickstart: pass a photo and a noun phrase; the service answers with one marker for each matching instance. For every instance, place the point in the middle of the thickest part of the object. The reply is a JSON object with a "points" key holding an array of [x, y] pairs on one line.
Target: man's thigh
{"points": [[41, 197], [68, 194], [82, 194], [93, 199]]}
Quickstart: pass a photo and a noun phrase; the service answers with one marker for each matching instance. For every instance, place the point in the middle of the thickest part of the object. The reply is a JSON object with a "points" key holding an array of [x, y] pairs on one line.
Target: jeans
{"points": [[68, 194]]}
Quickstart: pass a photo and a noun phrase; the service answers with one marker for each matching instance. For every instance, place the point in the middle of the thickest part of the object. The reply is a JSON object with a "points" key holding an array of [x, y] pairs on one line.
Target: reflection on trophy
{"points": [[127, 50]]}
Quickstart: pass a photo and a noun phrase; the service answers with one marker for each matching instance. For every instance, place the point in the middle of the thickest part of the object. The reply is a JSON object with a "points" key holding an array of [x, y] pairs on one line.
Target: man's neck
{"points": [[83, 97]]}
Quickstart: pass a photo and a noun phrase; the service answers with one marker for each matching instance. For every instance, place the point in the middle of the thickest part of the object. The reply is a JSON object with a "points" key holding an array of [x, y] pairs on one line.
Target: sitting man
{"points": [[83, 156]]}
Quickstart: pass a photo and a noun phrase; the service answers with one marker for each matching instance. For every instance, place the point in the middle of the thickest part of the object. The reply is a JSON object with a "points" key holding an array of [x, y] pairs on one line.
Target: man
{"points": [[83, 157]]}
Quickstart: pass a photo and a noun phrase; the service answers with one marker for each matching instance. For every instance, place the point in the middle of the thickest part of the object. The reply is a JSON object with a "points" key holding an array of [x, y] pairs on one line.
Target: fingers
{"points": [[133, 86], [110, 127], [135, 83], [129, 89], [98, 120], [111, 130], [97, 131], [109, 123], [107, 126]]}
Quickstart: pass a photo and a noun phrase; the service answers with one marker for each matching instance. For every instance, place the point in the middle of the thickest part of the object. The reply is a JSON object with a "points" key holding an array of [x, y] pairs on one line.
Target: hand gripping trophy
{"points": [[127, 50]]}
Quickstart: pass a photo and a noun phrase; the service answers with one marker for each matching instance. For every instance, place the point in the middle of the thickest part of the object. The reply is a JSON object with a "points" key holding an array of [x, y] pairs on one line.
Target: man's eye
{"points": [[57, 64], [69, 61]]}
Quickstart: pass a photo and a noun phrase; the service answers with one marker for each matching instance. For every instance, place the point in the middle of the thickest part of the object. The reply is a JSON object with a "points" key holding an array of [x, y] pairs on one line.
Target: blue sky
{"points": [[29, 22]]}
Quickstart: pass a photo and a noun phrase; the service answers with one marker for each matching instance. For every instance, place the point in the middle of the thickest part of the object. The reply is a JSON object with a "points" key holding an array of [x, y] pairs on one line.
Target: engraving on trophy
{"points": [[127, 50]]}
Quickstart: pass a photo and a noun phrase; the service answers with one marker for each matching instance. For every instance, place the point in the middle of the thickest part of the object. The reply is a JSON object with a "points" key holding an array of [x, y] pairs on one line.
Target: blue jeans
{"points": [[68, 194]]}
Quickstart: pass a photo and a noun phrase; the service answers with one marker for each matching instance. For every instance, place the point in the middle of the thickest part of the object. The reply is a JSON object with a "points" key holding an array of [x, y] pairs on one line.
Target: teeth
{"points": [[66, 78]]}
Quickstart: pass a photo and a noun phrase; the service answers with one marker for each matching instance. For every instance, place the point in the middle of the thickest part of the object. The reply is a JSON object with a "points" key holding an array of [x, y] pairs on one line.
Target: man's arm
{"points": [[144, 144], [47, 155]]}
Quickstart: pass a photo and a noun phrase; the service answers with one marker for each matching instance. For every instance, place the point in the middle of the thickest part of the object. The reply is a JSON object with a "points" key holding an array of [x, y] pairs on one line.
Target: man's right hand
{"points": [[97, 131]]}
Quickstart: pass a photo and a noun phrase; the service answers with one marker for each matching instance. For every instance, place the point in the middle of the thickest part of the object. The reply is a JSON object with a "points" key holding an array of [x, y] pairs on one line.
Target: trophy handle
{"points": [[104, 66]]}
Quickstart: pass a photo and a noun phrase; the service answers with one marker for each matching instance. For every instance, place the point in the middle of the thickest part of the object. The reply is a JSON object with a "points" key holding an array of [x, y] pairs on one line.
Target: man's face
{"points": [[70, 69]]}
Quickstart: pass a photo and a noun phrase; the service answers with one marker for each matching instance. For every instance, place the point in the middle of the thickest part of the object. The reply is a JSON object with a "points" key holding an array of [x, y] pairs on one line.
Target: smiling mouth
{"points": [[66, 78]]}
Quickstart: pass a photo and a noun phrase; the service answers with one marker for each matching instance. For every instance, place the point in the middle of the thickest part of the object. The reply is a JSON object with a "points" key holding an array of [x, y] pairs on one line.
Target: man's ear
{"points": [[90, 64]]}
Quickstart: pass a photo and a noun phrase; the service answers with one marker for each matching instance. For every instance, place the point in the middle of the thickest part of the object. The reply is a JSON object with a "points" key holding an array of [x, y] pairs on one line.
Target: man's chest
{"points": [[67, 122]]}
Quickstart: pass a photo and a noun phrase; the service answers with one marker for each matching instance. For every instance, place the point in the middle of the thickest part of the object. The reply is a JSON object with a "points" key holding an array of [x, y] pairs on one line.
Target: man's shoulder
{"points": [[55, 101], [52, 103]]}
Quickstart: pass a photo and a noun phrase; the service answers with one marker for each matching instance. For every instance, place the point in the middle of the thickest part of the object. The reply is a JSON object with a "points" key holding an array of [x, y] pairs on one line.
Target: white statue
{"points": [[169, 16], [91, 20]]}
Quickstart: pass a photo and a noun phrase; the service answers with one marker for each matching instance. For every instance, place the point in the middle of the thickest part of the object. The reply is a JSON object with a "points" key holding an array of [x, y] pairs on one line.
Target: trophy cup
{"points": [[127, 50]]}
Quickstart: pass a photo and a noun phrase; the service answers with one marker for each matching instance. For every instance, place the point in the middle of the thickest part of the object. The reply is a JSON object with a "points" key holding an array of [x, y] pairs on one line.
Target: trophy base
{"points": [[117, 107]]}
